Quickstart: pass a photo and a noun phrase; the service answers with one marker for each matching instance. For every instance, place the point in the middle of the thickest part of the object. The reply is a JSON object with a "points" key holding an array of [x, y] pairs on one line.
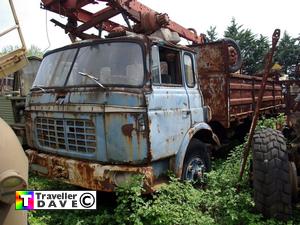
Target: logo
{"points": [[35, 200], [87, 200], [24, 200]]}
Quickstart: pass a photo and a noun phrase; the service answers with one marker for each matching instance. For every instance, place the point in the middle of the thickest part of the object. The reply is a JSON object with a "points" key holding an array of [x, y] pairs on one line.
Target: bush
{"points": [[221, 202], [273, 122]]}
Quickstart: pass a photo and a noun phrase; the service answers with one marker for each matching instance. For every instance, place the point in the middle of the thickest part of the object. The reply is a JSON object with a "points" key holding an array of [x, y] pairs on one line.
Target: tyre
{"points": [[271, 174], [196, 162], [237, 51]]}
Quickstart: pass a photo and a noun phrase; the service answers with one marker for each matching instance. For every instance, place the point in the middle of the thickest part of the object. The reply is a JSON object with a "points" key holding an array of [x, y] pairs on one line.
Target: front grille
{"points": [[66, 134]]}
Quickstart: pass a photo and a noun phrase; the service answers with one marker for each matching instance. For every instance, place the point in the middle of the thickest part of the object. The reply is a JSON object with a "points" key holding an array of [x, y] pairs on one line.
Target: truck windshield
{"points": [[116, 63]]}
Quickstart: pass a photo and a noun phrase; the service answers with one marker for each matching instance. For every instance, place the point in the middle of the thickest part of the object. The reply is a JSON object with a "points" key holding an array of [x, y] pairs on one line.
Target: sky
{"points": [[262, 17]]}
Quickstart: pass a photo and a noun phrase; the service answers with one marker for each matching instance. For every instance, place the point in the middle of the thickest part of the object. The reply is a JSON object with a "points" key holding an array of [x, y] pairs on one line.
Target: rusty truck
{"points": [[136, 102]]}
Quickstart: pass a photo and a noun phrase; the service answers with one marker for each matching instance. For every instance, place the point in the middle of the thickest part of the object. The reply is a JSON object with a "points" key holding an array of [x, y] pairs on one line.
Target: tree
{"points": [[211, 33], [288, 53], [253, 49], [260, 52], [35, 51], [32, 51], [8, 49], [233, 30]]}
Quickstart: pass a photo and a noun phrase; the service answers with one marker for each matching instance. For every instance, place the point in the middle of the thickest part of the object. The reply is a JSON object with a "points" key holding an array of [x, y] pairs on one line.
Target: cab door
{"points": [[168, 103], [195, 99]]}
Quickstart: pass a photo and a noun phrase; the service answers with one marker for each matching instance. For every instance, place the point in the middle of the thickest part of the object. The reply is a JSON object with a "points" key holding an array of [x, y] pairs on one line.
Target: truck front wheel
{"points": [[196, 162], [271, 174]]}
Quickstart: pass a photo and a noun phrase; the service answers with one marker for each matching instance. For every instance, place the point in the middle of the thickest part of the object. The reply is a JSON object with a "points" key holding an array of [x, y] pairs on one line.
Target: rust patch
{"points": [[60, 172], [85, 171], [127, 129], [211, 58], [237, 93], [85, 174], [214, 89], [231, 96]]}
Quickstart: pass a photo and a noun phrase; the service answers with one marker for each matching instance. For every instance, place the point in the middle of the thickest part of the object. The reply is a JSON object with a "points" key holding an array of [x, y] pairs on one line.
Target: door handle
{"points": [[186, 111]]}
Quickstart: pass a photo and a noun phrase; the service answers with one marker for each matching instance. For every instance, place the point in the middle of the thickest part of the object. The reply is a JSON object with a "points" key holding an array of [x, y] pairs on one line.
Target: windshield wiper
{"points": [[96, 80], [38, 87]]}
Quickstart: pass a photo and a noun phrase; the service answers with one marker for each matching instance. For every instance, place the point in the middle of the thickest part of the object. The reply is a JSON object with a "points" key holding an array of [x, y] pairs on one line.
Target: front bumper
{"points": [[85, 174]]}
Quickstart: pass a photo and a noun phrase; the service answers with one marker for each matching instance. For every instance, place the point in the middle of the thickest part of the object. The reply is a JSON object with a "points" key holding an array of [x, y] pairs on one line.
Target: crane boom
{"points": [[145, 20]]}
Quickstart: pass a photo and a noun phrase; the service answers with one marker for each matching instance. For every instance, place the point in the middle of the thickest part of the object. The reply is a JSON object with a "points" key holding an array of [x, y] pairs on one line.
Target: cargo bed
{"points": [[232, 96]]}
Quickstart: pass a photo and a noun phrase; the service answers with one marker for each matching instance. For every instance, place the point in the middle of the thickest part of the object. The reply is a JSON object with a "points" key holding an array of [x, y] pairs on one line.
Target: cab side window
{"points": [[166, 66], [189, 70], [155, 68]]}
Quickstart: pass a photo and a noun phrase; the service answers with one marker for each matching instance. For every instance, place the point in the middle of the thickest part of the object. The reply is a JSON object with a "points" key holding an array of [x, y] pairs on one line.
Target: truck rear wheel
{"points": [[271, 174], [196, 162]]}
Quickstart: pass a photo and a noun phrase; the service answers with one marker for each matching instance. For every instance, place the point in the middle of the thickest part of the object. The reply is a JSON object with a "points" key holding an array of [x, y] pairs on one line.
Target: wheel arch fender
{"points": [[192, 132]]}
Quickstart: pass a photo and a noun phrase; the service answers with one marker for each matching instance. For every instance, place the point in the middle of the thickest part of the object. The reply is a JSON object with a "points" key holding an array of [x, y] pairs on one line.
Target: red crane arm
{"points": [[145, 19]]}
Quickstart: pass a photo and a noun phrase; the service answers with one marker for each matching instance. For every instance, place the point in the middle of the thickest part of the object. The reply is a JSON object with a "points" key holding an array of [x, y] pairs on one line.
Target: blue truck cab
{"points": [[101, 111]]}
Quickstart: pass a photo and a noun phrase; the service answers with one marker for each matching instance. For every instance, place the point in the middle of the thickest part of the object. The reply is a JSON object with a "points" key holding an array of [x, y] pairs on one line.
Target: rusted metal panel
{"points": [[215, 92], [145, 20], [106, 125], [119, 98], [87, 174], [91, 125], [212, 64], [169, 120], [231, 96], [211, 58], [92, 136], [12, 62], [244, 91], [126, 137], [237, 95]]}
